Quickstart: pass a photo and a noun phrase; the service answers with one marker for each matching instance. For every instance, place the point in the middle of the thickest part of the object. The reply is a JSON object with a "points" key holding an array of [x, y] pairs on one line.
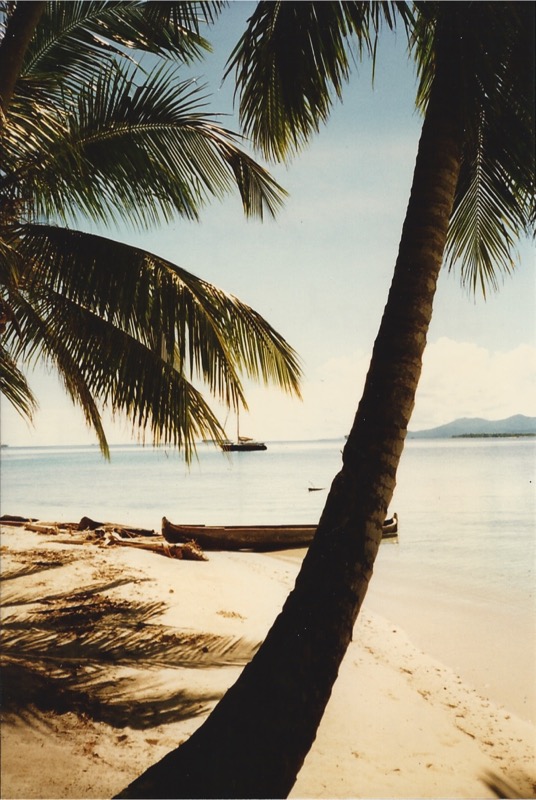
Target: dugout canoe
{"points": [[260, 538]]}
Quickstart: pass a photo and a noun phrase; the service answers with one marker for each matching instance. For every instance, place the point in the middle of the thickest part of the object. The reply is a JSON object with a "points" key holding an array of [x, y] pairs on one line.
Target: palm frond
{"points": [[183, 15], [216, 334], [135, 152], [484, 225], [91, 136], [495, 200], [36, 339], [133, 338], [14, 386], [75, 40], [291, 65]]}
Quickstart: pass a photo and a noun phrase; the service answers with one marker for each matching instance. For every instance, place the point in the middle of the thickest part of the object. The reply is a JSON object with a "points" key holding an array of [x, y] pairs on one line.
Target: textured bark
{"points": [[19, 31], [255, 741]]}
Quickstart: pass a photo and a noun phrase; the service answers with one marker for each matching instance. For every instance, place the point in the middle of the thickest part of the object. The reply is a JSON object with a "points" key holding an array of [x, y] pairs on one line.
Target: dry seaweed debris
{"points": [[90, 531]]}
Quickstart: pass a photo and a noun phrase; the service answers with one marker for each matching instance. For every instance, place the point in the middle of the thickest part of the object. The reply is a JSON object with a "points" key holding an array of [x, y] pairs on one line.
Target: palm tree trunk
{"points": [[19, 31], [255, 741]]}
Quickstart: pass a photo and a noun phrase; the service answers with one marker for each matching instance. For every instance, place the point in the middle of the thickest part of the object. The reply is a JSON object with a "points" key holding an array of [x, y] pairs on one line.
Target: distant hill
{"points": [[467, 426]]}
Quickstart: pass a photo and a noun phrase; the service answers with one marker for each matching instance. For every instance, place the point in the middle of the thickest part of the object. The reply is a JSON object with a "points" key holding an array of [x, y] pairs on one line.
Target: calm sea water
{"points": [[467, 510]]}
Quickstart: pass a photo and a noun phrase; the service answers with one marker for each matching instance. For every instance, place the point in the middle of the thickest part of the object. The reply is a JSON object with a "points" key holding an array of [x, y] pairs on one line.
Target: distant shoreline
{"points": [[492, 435]]}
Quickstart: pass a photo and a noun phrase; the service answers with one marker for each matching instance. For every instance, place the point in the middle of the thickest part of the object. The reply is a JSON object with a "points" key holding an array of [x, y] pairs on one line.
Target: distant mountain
{"points": [[467, 426]]}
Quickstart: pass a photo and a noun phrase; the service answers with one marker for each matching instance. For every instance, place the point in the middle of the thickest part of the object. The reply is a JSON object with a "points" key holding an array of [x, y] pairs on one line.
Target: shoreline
{"points": [[491, 648], [399, 723]]}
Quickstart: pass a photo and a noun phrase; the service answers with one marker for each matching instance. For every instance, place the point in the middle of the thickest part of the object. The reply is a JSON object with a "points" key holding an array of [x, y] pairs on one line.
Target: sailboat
{"points": [[243, 443]]}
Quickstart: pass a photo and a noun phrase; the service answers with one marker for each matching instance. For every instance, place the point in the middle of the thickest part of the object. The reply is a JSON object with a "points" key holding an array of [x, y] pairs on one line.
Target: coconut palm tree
{"points": [[471, 197], [92, 132]]}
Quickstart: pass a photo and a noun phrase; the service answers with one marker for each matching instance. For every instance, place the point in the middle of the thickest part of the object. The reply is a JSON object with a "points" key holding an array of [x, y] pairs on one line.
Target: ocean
{"points": [[466, 545]]}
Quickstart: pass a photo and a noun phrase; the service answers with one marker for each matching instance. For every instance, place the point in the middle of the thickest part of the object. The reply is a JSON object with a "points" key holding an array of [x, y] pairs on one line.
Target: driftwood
{"points": [[189, 551], [259, 538], [86, 523], [42, 527]]}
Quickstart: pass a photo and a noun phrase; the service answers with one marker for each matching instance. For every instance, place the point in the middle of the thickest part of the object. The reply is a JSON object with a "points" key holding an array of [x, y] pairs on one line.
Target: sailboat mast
{"points": [[237, 425]]}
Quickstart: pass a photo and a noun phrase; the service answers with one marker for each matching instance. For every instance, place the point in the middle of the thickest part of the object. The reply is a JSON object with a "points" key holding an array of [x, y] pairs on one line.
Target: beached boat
{"points": [[261, 538]]}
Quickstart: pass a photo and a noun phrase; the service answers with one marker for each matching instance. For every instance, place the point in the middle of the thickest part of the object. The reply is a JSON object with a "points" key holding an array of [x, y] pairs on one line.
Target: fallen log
{"points": [[188, 551], [41, 528], [86, 523]]}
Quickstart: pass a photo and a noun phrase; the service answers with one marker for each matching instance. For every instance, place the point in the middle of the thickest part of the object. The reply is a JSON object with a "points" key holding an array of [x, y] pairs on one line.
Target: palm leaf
{"points": [[14, 386], [90, 135], [494, 201], [216, 334], [136, 152], [135, 337], [292, 63], [75, 40]]}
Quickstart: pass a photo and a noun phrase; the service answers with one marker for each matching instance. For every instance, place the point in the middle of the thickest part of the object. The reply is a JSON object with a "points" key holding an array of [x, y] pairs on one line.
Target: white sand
{"points": [[399, 724]]}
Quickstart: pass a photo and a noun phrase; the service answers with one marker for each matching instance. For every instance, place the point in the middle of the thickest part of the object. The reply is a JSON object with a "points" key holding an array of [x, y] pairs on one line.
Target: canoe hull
{"points": [[260, 538]]}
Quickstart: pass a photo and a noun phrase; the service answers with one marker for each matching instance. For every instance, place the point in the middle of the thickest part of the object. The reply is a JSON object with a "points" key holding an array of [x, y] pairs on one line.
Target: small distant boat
{"points": [[243, 444], [260, 538]]}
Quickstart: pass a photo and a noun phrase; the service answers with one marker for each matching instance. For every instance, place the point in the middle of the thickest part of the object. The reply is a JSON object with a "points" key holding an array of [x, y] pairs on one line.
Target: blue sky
{"points": [[320, 273]]}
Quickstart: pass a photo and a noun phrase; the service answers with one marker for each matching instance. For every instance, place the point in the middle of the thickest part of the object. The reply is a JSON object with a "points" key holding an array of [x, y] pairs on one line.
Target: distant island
{"points": [[476, 428]]}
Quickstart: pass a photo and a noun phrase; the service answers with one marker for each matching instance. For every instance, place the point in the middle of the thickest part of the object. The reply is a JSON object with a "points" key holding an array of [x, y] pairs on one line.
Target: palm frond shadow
{"points": [[25, 598], [68, 656], [27, 693], [30, 569], [505, 789]]}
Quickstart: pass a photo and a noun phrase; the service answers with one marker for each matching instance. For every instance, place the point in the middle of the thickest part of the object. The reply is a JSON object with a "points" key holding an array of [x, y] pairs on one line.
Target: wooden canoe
{"points": [[260, 538]]}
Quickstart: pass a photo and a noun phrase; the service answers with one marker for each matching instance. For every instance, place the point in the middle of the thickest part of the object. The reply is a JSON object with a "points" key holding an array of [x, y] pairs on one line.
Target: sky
{"points": [[320, 274]]}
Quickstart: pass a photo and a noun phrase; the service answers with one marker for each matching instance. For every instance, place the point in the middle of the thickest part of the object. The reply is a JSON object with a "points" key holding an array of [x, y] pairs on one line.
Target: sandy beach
{"points": [[112, 656]]}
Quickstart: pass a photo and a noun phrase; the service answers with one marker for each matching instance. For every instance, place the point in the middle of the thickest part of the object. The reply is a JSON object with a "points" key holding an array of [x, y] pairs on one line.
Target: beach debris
{"points": [[188, 551], [86, 523], [89, 531], [42, 528]]}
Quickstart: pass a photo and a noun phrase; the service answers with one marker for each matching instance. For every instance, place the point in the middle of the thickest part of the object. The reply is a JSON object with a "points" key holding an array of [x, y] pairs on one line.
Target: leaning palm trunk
{"points": [[255, 741]]}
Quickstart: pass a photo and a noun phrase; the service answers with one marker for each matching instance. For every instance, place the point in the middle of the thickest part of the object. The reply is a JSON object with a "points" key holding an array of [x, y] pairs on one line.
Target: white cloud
{"points": [[461, 379]]}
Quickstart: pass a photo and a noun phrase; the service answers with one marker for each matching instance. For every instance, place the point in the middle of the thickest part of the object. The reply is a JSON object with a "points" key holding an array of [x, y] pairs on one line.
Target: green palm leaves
{"points": [[494, 203], [134, 330], [90, 133], [293, 59]]}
